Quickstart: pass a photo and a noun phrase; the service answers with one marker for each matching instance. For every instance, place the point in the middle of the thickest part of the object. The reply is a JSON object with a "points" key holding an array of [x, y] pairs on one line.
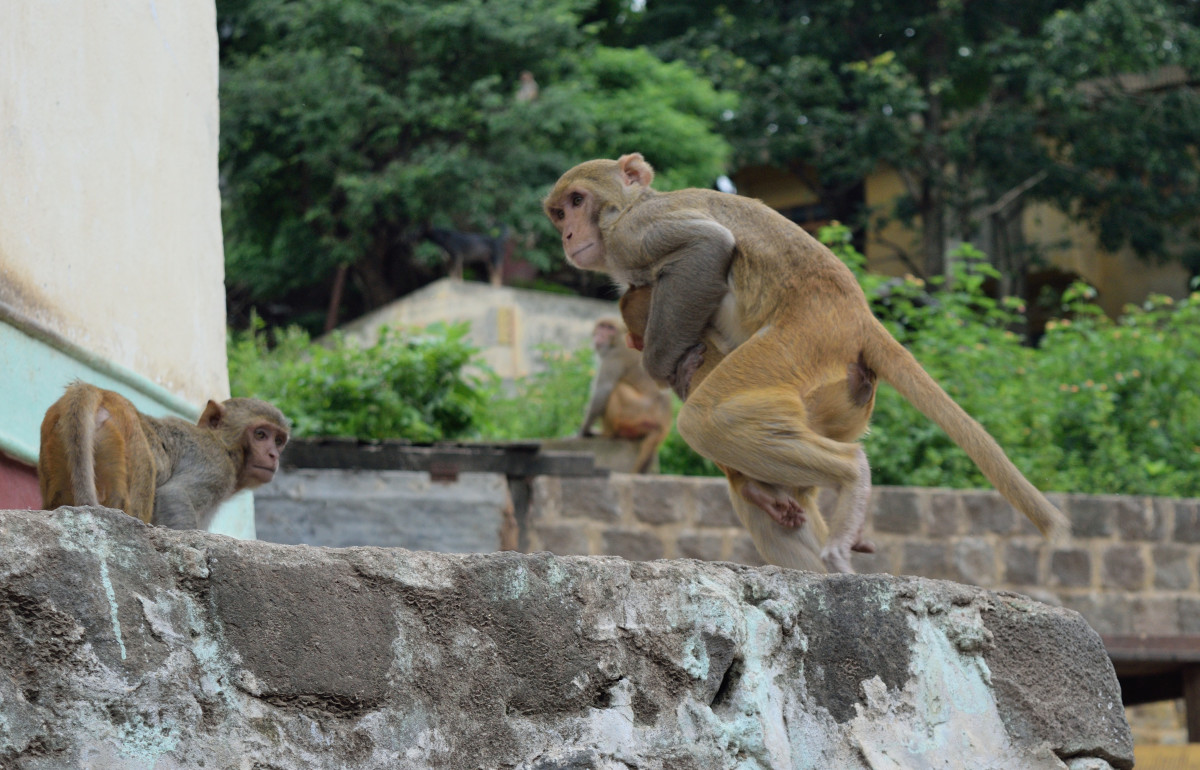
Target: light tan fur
{"points": [[98, 449], [787, 404], [628, 402]]}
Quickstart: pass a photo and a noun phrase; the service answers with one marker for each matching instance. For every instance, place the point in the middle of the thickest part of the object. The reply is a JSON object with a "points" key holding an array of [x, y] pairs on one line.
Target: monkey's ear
{"points": [[635, 169], [213, 415]]}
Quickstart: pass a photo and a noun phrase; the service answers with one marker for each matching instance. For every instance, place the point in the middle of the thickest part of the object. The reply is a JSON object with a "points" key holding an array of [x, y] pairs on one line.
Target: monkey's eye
{"points": [[576, 199], [559, 214], [260, 434], [280, 441]]}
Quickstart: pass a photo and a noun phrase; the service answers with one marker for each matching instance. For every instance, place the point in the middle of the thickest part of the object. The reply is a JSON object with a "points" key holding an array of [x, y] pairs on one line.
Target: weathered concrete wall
{"points": [[126, 646]]}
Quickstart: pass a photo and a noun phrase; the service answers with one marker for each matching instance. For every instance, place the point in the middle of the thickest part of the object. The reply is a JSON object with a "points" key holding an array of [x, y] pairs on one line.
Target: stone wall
{"points": [[123, 646], [1130, 566]]}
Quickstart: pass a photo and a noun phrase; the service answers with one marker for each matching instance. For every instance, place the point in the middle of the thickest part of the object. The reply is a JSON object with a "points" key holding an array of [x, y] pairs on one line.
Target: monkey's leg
{"points": [[848, 520], [647, 449], [792, 547]]}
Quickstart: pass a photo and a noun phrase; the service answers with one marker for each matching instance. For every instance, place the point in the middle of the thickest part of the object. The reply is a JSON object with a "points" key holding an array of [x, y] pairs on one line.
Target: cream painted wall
{"points": [[110, 230], [111, 259]]}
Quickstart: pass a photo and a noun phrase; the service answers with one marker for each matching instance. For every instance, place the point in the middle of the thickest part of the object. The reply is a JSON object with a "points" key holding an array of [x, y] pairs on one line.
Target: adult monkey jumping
{"points": [[799, 328]]}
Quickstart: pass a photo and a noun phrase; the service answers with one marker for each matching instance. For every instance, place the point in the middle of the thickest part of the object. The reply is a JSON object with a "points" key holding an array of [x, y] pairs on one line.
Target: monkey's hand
{"points": [[681, 380], [777, 503]]}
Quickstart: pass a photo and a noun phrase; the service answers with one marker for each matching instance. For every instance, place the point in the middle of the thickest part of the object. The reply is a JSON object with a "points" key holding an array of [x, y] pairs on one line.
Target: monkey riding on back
{"points": [[768, 337], [97, 449]]}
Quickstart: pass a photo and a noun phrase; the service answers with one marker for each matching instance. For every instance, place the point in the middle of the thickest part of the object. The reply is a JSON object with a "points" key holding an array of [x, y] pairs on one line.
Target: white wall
{"points": [[111, 260], [110, 230]]}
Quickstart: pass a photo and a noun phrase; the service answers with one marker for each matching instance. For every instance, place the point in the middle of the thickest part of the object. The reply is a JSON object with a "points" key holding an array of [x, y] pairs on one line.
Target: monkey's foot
{"points": [[681, 379], [778, 504], [863, 546], [837, 559]]}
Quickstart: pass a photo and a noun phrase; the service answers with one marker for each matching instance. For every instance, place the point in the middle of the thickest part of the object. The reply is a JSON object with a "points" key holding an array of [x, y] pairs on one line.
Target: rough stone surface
{"points": [[123, 646]]}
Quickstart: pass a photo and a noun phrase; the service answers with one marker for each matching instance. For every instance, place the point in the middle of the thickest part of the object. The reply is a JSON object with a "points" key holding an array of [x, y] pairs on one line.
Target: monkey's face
{"points": [[604, 336], [575, 214], [264, 442]]}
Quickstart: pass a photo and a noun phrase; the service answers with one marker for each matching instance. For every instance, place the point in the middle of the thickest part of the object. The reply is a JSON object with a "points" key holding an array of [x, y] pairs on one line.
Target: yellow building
{"points": [[1071, 249]]}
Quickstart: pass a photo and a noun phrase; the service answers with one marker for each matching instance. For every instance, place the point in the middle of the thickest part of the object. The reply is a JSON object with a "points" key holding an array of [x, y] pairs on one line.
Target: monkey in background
{"points": [[783, 403], [630, 404], [98, 449]]}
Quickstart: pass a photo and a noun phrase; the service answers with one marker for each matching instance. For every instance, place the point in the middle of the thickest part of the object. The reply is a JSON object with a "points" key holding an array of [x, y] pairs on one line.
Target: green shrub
{"points": [[548, 403], [422, 386]]}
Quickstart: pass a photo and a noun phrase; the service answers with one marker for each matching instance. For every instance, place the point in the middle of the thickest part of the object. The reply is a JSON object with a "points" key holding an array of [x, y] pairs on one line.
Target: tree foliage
{"points": [[978, 106], [347, 125]]}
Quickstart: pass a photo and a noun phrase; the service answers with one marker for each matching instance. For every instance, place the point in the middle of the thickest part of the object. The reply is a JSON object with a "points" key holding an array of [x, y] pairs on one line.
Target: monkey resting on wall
{"points": [[631, 404], [97, 449], [801, 348]]}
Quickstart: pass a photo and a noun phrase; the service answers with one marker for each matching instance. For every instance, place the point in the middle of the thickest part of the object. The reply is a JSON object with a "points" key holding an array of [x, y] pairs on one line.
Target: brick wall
{"points": [[1130, 566]]}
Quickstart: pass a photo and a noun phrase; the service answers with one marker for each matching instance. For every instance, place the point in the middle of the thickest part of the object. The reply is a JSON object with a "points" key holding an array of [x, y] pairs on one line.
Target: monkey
{"points": [[473, 247], [795, 531], [528, 90], [780, 406], [98, 449], [630, 404]]}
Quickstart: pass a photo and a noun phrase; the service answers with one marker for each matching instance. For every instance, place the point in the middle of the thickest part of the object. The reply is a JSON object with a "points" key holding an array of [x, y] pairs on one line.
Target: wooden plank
{"points": [[1191, 702]]}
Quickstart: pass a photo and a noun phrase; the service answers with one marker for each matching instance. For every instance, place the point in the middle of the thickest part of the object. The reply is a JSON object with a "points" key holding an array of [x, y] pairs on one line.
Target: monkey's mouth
{"points": [[575, 256]]}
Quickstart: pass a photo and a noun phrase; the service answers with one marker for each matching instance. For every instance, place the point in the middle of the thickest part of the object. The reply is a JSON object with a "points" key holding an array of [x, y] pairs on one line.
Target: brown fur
{"points": [[98, 449], [785, 405], [628, 402]]}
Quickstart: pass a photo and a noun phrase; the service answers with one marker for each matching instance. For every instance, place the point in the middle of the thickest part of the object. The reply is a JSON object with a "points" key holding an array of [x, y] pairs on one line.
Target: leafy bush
{"points": [[548, 403], [419, 386], [1098, 407]]}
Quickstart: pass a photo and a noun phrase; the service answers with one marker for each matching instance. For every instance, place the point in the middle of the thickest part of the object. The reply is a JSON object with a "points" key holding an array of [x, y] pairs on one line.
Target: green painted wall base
{"points": [[35, 367]]}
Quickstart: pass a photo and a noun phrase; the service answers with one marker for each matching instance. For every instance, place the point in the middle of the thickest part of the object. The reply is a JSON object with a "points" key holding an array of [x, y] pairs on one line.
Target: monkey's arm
{"points": [[607, 374], [691, 282]]}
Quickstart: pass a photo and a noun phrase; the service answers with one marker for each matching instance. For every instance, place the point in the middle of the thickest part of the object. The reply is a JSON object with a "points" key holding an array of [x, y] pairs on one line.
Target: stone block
{"points": [[1138, 519], [1189, 615], [883, 561], [946, 515], [988, 512], [927, 560], [895, 509], [713, 507], [633, 544], [1123, 567], [1187, 521], [545, 499], [1021, 564], [742, 551], [704, 546], [1071, 567], [1174, 567], [1091, 516], [975, 561], [658, 500], [343, 508], [563, 539], [590, 498]]}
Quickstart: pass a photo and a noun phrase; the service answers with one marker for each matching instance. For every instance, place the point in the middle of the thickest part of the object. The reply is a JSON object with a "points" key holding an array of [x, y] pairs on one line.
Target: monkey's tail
{"points": [[79, 436], [896, 365]]}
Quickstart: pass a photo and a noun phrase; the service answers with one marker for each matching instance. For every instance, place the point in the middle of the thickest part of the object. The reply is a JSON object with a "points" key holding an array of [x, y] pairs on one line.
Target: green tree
{"points": [[978, 106], [348, 125]]}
